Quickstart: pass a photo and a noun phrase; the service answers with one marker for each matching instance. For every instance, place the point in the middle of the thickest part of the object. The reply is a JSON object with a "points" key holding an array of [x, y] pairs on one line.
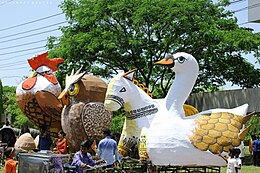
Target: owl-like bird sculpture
{"points": [[84, 116], [37, 96]]}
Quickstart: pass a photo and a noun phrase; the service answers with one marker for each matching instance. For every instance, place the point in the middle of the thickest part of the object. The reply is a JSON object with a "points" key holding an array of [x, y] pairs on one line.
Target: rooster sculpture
{"points": [[37, 96]]}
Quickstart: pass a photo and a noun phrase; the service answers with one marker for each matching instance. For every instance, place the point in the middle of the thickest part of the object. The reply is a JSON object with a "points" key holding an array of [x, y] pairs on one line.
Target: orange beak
{"points": [[165, 62], [64, 98]]}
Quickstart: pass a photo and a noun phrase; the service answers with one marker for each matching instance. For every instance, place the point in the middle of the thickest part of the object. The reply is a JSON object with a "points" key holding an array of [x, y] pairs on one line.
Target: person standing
{"points": [[8, 135], [107, 150], [10, 164], [61, 147], [251, 148], [24, 129], [238, 165], [256, 152], [44, 139], [231, 161]]}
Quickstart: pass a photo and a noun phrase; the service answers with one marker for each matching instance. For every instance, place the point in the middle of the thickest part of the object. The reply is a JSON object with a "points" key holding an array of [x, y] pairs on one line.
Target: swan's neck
{"points": [[180, 90]]}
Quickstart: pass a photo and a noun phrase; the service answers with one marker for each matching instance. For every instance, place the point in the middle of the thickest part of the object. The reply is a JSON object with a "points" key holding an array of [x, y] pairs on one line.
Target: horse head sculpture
{"points": [[124, 91]]}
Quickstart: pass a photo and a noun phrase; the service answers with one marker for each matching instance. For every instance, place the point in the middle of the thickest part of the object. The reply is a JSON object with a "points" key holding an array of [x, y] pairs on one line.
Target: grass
{"points": [[245, 169], [247, 166]]}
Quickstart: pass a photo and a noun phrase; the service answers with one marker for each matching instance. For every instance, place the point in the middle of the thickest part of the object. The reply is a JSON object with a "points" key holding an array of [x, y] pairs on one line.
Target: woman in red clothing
{"points": [[62, 143]]}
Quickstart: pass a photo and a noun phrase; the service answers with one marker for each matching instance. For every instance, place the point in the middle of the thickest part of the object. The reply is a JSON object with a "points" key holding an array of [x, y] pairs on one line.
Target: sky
{"points": [[26, 24], [24, 28]]}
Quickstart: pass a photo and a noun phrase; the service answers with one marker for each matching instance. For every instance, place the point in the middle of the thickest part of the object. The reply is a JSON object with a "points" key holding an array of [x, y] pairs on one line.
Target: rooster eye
{"points": [[181, 59], [73, 89], [123, 90]]}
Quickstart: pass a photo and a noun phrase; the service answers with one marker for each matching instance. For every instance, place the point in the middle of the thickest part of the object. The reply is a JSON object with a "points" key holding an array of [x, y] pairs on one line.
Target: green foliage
{"points": [[106, 36], [254, 129], [1, 101], [18, 118], [118, 121]]}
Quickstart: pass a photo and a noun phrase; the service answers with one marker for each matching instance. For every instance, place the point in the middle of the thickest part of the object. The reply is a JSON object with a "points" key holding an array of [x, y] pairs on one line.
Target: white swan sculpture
{"points": [[176, 140], [125, 91]]}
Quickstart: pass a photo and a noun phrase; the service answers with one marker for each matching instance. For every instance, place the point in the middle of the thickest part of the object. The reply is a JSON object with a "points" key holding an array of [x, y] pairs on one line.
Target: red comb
{"points": [[42, 59]]}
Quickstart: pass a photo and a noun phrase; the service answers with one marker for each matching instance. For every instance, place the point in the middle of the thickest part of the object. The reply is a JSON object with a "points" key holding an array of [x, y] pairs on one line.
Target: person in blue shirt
{"points": [[82, 159], [107, 150], [256, 152], [44, 139]]}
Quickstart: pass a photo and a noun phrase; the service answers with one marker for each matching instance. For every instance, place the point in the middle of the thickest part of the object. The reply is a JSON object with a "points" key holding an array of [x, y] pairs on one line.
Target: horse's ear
{"points": [[130, 74]]}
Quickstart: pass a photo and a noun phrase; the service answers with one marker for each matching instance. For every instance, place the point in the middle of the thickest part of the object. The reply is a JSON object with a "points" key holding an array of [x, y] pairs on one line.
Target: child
{"points": [[231, 161], [10, 164], [238, 160]]}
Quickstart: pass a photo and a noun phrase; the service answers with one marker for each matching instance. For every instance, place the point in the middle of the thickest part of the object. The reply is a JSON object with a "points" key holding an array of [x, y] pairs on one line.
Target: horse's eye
{"points": [[123, 89]]}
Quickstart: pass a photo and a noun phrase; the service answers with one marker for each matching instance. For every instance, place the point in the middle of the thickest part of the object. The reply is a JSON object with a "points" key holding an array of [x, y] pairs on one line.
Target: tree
{"points": [[1, 102], [118, 121], [18, 118], [105, 36], [254, 129]]}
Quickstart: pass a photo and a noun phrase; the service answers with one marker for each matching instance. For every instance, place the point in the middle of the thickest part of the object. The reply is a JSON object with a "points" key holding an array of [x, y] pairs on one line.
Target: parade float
{"points": [[166, 132], [84, 116], [124, 91], [174, 139], [161, 127], [37, 96], [78, 109]]}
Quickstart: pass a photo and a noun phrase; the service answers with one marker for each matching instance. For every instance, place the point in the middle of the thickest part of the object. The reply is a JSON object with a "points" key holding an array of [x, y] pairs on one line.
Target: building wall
{"points": [[227, 99], [254, 11]]}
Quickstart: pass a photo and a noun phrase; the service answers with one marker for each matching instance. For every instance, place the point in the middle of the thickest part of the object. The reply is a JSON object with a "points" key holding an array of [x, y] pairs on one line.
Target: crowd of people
{"points": [[107, 152]]}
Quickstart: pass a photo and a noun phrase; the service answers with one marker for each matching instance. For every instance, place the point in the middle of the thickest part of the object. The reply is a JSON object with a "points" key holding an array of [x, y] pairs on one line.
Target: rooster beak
{"points": [[64, 98]]}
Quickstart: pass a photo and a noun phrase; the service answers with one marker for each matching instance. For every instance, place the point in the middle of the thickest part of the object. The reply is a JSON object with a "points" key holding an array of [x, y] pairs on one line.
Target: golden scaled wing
{"points": [[219, 131], [189, 110]]}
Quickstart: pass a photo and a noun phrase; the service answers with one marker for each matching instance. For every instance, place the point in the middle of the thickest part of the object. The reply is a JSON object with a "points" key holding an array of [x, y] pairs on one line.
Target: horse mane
{"points": [[143, 87]]}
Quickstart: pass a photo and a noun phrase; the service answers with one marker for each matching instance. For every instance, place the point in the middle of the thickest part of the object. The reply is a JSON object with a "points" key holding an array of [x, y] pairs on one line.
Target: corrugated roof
{"points": [[226, 99]]}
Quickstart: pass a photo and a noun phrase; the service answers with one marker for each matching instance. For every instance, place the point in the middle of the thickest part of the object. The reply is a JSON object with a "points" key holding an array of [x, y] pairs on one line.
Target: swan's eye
{"points": [[73, 89], [181, 59], [123, 90]]}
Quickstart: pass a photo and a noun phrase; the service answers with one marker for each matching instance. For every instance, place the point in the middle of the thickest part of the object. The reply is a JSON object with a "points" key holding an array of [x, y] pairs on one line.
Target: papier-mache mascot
{"points": [[162, 128], [125, 91], [84, 116], [37, 96], [78, 109], [176, 140]]}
